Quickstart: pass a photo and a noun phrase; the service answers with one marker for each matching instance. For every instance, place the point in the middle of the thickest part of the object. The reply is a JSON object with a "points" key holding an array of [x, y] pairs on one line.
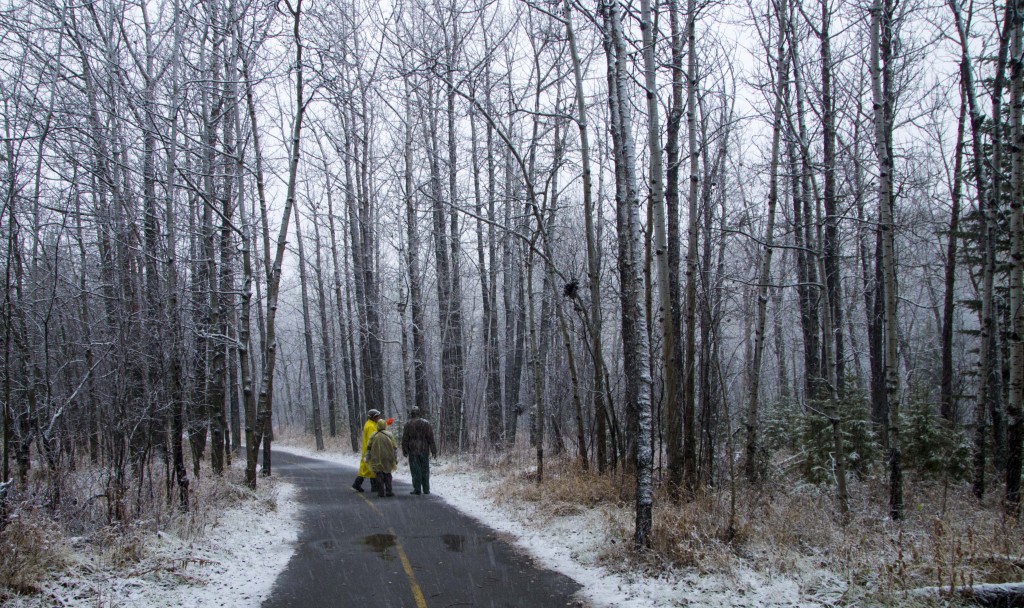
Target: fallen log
{"points": [[995, 595]]}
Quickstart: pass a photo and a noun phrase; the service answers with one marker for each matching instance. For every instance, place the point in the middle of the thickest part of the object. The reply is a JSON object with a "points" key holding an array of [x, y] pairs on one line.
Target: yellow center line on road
{"points": [[417, 593]]}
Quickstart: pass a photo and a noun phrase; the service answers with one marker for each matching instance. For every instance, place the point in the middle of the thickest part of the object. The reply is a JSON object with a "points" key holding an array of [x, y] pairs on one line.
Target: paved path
{"points": [[360, 551]]}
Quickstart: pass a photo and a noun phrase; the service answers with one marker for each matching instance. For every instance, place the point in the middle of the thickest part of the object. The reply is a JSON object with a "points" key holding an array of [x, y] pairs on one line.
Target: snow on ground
{"points": [[232, 564], [235, 562], [572, 545]]}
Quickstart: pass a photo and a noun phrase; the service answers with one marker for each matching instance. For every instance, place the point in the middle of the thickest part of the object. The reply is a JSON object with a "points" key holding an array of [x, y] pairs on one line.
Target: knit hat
{"points": [[373, 413]]}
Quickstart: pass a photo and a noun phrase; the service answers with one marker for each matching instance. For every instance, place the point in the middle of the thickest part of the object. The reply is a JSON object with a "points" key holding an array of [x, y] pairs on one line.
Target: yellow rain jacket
{"points": [[382, 453], [368, 430]]}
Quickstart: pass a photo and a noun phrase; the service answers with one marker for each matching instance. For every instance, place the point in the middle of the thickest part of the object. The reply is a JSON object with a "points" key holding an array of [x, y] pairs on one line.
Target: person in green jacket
{"points": [[382, 456], [365, 472]]}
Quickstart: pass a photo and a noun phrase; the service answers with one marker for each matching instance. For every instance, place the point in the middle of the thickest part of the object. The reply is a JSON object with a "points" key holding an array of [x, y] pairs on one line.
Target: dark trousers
{"points": [[419, 466], [359, 484], [384, 485]]}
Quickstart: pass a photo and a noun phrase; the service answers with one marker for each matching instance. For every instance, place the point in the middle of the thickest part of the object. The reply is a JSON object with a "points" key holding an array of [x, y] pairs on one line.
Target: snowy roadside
{"points": [[235, 561], [572, 543], [232, 563]]}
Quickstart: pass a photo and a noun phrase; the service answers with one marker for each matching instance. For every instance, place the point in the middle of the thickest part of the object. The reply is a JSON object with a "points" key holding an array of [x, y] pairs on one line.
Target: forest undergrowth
{"points": [[782, 526], [948, 539], [41, 538]]}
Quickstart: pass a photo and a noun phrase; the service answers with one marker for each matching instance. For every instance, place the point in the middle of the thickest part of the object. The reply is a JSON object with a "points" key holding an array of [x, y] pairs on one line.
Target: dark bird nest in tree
{"points": [[571, 289]]}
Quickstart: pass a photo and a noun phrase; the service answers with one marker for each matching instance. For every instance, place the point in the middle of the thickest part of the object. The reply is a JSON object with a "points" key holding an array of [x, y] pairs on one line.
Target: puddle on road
{"points": [[326, 547], [380, 543], [454, 542]]}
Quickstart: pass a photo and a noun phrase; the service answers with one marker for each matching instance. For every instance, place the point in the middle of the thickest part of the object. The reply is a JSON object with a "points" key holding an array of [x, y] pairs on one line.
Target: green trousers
{"points": [[419, 466]]}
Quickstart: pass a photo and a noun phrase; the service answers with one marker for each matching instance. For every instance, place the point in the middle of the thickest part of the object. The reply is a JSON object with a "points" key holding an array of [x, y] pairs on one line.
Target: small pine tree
{"points": [[806, 430], [859, 435], [933, 448]]}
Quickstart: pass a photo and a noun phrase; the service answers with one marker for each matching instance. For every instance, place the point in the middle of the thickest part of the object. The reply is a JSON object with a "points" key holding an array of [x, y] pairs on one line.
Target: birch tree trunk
{"points": [[830, 242], [690, 316], [992, 346], [307, 335], [326, 330], [344, 317], [782, 62], [154, 302], [373, 378], [833, 380], [175, 370], [711, 394], [245, 338], [803, 238], [987, 197], [412, 261], [1015, 406], [830, 380], [881, 79], [593, 254], [556, 303], [515, 321], [634, 339], [493, 353], [11, 247], [444, 272], [452, 344], [358, 237], [220, 435], [352, 345], [947, 400], [872, 288], [673, 413], [264, 414], [669, 331], [489, 322], [214, 197]]}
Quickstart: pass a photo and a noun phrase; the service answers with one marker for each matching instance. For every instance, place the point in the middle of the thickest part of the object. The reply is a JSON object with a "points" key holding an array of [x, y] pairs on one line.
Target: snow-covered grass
{"points": [[774, 545], [582, 527], [226, 552], [783, 544]]}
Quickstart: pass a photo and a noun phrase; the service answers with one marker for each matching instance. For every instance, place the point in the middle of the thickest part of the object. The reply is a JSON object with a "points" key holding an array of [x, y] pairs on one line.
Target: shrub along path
{"points": [[400, 552]]}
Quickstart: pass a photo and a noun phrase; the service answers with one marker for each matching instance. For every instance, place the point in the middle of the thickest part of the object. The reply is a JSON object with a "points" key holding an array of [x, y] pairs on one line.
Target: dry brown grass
{"points": [[967, 542], [948, 539], [35, 540], [31, 545], [566, 487], [339, 444]]}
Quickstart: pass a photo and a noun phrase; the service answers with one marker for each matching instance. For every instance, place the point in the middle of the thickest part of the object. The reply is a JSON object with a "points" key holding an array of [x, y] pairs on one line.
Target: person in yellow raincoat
{"points": [[365, 472]]}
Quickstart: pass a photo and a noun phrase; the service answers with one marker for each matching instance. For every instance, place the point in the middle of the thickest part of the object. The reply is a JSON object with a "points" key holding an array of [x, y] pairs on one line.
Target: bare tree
{"points": [[882, 95], [1015, 404], [263, 432], [781, 89], [690, 314], [307, 334], [634, 320], [326, 327]]}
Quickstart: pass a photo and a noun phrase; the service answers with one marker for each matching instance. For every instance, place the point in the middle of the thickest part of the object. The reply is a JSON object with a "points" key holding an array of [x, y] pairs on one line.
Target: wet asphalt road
{"points": [[408, 551]]}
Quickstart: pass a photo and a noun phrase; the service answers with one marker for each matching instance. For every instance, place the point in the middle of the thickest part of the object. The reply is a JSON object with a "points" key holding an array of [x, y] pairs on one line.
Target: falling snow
{"points": [[235, 563]]}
